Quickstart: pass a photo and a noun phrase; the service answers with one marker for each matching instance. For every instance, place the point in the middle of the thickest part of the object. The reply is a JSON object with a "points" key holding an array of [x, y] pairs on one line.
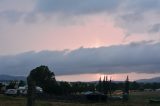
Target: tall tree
{"points": [[44, 78], [31, 91], [126, 89], [99, 87], [106, 85], [110, 86], [40, 76]]}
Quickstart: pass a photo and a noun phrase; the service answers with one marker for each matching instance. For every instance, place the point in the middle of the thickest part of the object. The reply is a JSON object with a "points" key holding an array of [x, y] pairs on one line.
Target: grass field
{"points": [[136, 99]]}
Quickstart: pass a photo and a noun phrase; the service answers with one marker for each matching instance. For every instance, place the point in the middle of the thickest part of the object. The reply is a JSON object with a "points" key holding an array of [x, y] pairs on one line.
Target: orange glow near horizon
{"points": [[114, 77]]}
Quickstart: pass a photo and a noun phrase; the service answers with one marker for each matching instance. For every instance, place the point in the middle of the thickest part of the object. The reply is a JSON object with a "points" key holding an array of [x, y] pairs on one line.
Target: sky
{"points": [[81, 38]]}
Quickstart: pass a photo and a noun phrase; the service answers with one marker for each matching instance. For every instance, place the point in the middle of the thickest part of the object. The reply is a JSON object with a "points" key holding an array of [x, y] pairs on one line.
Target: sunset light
{"points": [[106, 38], [79, 52]]}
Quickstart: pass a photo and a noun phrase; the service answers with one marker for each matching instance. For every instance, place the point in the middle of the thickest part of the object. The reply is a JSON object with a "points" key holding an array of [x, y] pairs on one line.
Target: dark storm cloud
{"points": [[96, 6], [142, 57], [76, 7], [134, 16], [63, 8]]}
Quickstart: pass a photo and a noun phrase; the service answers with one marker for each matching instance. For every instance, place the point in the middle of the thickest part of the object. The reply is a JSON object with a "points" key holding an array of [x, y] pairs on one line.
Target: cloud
{"points": [[58, 8], [155, 28], [76, 7], [11, 16], [134, 16], [42, 19], [141, 57]]}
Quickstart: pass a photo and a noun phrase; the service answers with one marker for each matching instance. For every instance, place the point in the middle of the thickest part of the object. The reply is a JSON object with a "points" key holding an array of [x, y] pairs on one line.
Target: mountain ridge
{"points": [[154, 79], [4, 77]]}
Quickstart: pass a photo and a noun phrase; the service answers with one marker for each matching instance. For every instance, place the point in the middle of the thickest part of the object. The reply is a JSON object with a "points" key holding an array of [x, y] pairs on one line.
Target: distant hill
{"points": [[156, 79], [9, 77]]}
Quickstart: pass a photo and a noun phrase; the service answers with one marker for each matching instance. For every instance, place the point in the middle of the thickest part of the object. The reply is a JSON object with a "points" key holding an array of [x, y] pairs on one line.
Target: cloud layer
{"points": [[24, 21], [142, 57], [59, 24], [138, 16], [79, 7]]}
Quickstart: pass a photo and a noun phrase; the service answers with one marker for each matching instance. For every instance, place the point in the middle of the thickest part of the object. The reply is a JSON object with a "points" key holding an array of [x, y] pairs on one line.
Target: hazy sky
{"points": [[80, 36]]}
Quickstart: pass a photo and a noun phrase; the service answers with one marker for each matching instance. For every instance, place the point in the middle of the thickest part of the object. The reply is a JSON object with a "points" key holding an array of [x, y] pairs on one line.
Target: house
{"points": [[23, 90]]}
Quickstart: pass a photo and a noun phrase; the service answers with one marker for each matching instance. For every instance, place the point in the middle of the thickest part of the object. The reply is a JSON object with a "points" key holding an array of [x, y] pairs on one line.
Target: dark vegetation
{"points": [[46, 79], [103, 90]]}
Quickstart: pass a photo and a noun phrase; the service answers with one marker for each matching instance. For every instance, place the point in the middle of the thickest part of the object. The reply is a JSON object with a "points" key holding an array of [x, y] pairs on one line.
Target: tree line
{"points": [[46, 79], [43, 77]]}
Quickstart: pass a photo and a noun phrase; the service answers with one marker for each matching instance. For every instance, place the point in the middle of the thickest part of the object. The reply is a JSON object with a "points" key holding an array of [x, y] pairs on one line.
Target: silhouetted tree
{"points": [[103, 85], [134, 85], [106, 85], [100, 86], [21, 83], [110, 87], [43, 77], [12, 85], [126, 89], [31, 90], [65, 88]]}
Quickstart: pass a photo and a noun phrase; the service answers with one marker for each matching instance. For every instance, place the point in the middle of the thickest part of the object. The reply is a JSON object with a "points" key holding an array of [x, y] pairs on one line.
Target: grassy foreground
{"points": [[136, 99]]}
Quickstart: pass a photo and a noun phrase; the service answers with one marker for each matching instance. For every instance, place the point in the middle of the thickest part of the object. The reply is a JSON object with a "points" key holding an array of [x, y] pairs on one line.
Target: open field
{"points": [[136, 99]]}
